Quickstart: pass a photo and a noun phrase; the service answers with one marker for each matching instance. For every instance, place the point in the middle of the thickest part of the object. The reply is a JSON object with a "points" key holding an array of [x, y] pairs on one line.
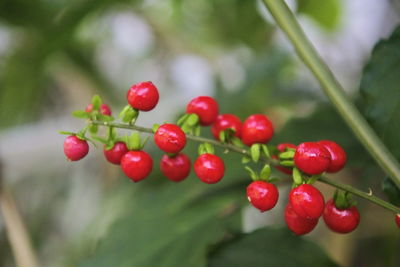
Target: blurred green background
{"points": [[54, 55]]}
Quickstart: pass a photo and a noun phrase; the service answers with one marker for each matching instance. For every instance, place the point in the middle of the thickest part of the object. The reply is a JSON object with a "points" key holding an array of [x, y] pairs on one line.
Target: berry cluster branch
{"points": [[332, 88], [245, 152]]}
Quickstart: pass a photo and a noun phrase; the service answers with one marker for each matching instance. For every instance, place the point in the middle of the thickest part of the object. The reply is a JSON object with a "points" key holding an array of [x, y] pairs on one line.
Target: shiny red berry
{"points": [[312, 158], [170, 138], [226, 121], [75, 148], [137, 165], [341, 220], [205, 107], [397, 219], [104, 109], [297, 224], [143, 96], [307, 201], [262, 195], [282, 148], [257, 129], [209, 168], [338, 155], [176, 168], [115, 154]]}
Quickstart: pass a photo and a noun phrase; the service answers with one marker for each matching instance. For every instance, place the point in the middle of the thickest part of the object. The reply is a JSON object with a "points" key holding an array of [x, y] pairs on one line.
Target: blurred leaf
{"points": [[269, 247], [326, 13], [391, 191], [80, 114], [380, 91]]}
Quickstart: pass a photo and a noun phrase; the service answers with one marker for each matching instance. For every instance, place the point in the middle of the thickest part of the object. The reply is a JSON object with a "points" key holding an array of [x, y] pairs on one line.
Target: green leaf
{"points": [[182, 119], [80, 114], [209, 148], [192, 119], [255, 152], [67, 133], [297, 177], [96, 101], [105, 118], [286, 155], [391, 191], [265, 151], [252, 173], [93, 128], [326, 13], [380, 91], [237, 141], [269, 247], [287, 163], [246, 159], [128, 114], [265, 172], [197, 130], [133, 141]]}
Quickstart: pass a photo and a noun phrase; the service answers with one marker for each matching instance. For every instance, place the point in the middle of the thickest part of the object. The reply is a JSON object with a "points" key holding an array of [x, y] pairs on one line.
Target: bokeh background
{"points": [[54, 55]]}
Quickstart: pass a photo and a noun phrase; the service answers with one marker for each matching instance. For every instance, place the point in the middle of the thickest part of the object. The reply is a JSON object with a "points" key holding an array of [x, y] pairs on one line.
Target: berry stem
{"points": [[246, 152], [332, 88]]}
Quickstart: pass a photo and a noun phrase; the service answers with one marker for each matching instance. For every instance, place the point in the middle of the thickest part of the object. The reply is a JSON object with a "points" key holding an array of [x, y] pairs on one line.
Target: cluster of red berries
{"points": [[305, 162]]}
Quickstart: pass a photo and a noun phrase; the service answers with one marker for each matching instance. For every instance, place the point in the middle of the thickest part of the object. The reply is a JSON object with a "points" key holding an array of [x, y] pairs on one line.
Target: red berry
{"points": [[137, 165], [170, 138], [262, 195], [312, 158], [257, 129], [338, 155], [209, 168], [282, 148], [307, 201], [397, 219], [175, 168], [143, 96], [75, 148], [104, 109], [226, 121], [341, 220], [297, 224], [115, 154], [205, 107]]}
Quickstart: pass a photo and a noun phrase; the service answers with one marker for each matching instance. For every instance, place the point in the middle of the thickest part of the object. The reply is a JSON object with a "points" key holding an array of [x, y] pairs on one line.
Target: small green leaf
{"points": [[99, 139], [265, 151], [286, 155], [252, 173], [80, 114], [133, 141], [287, 163], [246, 159], [93, 128], [209, 148], [222, 136], [201, 149], [155, 127], [265, 172], [313, 179], [237, 142], [197, 130], [67, 133], [144, 142], [340, 200], [105, 118], [274, 179], [182, 119], [255, 152], [192, 119], [297, 177], [96, 101], [129, 114]]}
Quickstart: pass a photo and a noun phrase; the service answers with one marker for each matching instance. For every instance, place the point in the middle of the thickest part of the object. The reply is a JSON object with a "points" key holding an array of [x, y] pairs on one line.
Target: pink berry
{"points": [[75, 148]]}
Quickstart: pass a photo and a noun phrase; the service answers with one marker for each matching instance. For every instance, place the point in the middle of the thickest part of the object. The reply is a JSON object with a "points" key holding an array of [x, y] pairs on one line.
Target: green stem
{"points": [[245, 152], [288, 23]]}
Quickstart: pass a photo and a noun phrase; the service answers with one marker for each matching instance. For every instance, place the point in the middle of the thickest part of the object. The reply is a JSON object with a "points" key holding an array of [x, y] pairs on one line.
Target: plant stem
{"points": [[288, 23], [245, 152]]}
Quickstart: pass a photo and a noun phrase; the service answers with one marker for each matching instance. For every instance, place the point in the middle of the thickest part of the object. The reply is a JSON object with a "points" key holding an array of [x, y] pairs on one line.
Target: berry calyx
{"points": [[143, 96], [257, 129], [205, 107], [312, 158], [176, 168], [115, 154], [224, 122], [262, 195], [170, 138], [397, 219], [137, 165], [104, 109], [341, 220], [338, 155], [209, 168], [282, 148], [75, 148], [307, 201], [297, 224]]}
